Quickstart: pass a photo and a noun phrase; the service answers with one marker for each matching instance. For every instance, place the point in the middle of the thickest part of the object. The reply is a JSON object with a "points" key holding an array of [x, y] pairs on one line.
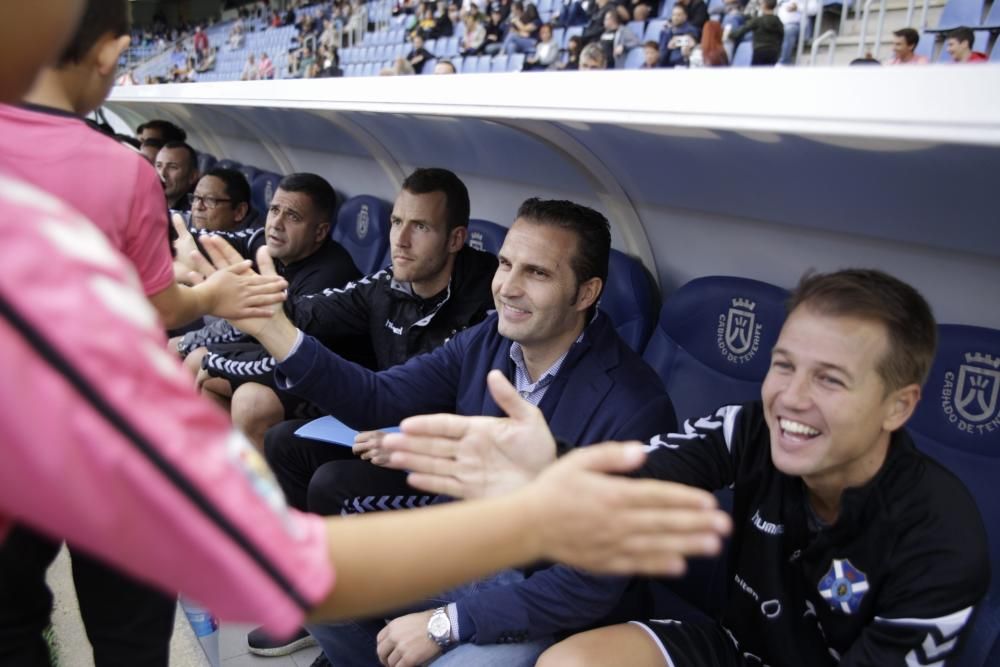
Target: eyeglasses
{"points": [[209, 201]]}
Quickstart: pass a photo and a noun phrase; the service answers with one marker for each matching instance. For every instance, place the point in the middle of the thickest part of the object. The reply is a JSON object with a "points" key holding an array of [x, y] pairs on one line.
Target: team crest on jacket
{"points": [[843, 586]]}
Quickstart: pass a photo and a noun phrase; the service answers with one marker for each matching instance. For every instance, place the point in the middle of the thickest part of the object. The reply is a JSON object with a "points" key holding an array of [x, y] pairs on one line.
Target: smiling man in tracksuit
{"points": [[849, 546]]}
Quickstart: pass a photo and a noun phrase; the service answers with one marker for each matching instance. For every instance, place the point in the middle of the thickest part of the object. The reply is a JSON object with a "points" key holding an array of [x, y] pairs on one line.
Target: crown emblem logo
{"points": [[744, 303], [982, 359]]}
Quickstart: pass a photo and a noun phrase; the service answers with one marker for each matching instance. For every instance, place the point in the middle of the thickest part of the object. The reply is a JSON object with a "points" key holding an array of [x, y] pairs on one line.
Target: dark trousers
{"points": [[127, 622], [328, 479], [765, 57]]}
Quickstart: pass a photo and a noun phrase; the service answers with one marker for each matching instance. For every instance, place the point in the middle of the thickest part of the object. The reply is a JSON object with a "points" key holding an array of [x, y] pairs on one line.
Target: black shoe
{"points": [[262, 644], [320, 661]]}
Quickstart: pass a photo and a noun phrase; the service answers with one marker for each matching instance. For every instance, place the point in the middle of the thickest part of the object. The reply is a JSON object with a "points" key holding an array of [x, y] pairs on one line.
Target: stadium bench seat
{"points": [[363, 229]]}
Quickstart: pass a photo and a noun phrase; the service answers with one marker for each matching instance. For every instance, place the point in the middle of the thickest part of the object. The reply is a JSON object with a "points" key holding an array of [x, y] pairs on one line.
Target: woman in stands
{"points": [[546, 51], [710, 53]]}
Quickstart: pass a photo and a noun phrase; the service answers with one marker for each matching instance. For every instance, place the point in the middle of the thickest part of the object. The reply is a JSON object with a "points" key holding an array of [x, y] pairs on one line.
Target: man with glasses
{"points": [[221, 203]]}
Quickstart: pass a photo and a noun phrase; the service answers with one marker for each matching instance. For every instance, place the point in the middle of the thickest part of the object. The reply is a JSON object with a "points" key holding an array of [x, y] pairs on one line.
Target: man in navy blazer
{"points": [[561, 354]]}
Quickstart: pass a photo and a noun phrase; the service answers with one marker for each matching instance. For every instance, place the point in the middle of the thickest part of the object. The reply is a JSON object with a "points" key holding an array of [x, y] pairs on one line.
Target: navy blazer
{"points": [[603, 391]]}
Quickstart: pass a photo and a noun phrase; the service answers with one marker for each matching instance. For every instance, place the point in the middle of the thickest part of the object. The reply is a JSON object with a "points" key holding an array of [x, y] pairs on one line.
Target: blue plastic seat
{"points": [[743, 55], [228, 164], [485, 235], [925, 47], [653, 30], [248, 172], [483, 64], [634, 58], [206, 161], [992, 19], [629, 299], [363, 229], [572, 31], [499, 63], [262, 188], [515, 63], [959, 13], [957, 422], [713, 342]]}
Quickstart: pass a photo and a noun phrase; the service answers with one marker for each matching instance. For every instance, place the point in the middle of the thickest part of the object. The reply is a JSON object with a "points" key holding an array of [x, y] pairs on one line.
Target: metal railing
{"points": [[830, 36]]}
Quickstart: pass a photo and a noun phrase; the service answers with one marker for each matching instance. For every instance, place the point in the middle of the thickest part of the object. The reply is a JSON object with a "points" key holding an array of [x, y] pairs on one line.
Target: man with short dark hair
{"points": [[177, 165], [674, 37], [563, 355], [849, 545], [959, 43], [163, 130], [297, 234], [904, 43], [768, 35], [221, 202]]}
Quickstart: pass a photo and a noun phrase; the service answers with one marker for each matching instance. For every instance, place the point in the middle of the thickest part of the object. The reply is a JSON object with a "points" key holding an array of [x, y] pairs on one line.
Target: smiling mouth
{"points": [[514, 310], [797, 430]]}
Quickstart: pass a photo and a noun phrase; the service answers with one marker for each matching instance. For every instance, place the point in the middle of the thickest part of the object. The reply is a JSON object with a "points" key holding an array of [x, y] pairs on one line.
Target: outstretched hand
{"points": [[474, 457], [616, 525]]}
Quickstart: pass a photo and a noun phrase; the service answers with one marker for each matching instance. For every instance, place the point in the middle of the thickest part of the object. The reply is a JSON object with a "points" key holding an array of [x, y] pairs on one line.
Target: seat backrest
{"points": [[957, 422], [635, 57], [206, 161], [653, 30], [262, 189], [629, 299], [248, 172], [363, 229], [228, 164], [499, 63], [959, 13], [485, 235], [713, 342], [744, 51]]}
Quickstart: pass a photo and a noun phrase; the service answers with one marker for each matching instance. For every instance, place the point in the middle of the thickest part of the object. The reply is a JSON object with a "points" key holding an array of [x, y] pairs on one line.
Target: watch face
{"points": [[439, 627]]}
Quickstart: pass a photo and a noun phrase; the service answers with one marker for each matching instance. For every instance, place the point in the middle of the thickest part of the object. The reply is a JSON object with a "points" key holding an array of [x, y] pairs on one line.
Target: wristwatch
{"points": [[439, 628]]}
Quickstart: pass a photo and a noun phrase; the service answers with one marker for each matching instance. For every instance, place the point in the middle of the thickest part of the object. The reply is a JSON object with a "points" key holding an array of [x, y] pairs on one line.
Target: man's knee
{"points": [[255, 408]]}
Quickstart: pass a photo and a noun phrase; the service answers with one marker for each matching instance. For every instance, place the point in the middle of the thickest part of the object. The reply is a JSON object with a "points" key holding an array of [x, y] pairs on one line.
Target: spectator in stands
{"points": [[904, 43], [595, 27], [163, 130], [549, 336], [418, 55], [443, 25], [496, 30], [959, 42], [573, 12], [790, 15], [177, 165], [768, 35], [444, 67], [886, 544], [296, 233], [201, 44], [221, 202], [679, 33], [266, 67], [426, 21], [546, 51], [733, 18], [475, 35], [522, 35], [617, 40], [592, 57], [236, 35], [329, 37], [697, 13], [251, 71], [573, 48], [331, 63], [150, 148], [642, 9], [650, 55], [711, 52]]}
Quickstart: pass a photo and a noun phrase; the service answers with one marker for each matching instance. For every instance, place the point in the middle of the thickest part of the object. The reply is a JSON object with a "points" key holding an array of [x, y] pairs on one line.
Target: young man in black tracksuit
{"points": [[849, 546]]}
